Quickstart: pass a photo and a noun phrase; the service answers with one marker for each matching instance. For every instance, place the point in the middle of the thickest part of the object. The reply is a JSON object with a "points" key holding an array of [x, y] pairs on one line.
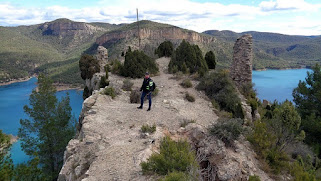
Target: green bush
{"points": [[300, 174], [219, 87], [107, 68], [278, 160], [261, 139], [110, 91], [148, 129], [273, 134], [187, 83], [88, 66], [189, 97], [177, 176], [224, 114], [248, 90], [137, 63], [103, 82], [227, 130], [127, 85], [165, 49], [210, 60], [215, 104], [318, 174], [254, 178], [135, 96], [254, 105], [173, 156], [188, 57], [117, 67]]}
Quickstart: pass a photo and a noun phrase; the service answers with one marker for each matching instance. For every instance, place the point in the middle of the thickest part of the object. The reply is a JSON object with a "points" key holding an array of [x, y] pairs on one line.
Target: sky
{"points": [[294, 17]]}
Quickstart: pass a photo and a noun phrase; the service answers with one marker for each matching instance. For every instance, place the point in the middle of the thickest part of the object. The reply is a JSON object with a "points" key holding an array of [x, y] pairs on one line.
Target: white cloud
{"points": [[183, 13], [285, 5]]}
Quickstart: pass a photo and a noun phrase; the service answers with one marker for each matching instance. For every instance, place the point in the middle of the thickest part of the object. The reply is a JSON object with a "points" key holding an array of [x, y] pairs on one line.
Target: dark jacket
{"points": [[148, 85]]}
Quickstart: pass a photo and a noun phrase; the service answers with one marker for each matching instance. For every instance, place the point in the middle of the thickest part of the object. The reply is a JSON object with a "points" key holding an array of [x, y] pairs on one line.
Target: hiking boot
{"points": [[148, 109], [140, 107]]}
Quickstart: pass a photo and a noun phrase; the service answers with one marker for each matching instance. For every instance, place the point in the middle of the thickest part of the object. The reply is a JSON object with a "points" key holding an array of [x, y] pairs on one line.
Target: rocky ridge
{"points": [[161, 34], [110, 146]]}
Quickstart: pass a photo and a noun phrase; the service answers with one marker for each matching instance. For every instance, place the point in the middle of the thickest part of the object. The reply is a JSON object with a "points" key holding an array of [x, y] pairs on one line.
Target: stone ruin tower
{"points": [[102, 57], [241, 69]]}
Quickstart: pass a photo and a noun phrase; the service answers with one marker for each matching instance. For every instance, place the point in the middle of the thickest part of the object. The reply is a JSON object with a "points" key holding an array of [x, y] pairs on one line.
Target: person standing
{"points": [[148, 87]]}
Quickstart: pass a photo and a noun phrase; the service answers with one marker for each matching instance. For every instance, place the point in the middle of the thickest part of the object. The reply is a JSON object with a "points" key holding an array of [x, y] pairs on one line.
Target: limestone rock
{"points": [[221, 162], [102, 57], [169, 33], [241, 69]]}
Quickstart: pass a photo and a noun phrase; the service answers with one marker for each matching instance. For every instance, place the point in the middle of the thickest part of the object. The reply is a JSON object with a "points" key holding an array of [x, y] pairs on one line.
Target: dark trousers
{"points": [[149, 97]]}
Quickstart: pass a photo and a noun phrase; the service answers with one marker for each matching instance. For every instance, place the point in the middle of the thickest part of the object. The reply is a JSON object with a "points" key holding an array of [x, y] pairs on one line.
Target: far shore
{"points": [[63, 87], [16, 80], [265, 69], [59, 86]]}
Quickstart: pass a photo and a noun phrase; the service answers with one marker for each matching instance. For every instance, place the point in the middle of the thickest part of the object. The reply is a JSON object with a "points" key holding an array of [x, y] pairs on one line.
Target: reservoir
{"points": [[277, 84], [12, 99]]}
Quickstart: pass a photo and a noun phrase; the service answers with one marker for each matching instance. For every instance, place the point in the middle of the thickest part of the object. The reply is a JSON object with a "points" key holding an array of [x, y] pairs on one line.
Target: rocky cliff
{"points": [[65, 27], [110, 146], [151, 35], [70, 34], [160, 34]]}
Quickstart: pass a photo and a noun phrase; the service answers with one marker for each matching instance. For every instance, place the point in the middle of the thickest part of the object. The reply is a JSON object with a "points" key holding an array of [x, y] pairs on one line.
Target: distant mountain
{"points": [[25, 48], [55, 47], [152, 34], [273, 50]]}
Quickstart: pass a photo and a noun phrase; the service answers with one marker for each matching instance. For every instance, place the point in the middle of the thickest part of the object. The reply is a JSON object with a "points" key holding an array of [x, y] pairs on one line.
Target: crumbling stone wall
{"points": [[241, 69]]}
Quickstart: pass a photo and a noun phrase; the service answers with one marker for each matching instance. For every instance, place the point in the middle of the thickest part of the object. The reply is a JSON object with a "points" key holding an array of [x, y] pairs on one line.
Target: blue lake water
{"points": [[12, 99], [277, 84]]}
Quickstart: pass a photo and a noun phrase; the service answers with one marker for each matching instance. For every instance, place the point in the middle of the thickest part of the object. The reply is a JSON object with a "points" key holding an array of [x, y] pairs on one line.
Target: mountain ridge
{"points": [[25, 50]]}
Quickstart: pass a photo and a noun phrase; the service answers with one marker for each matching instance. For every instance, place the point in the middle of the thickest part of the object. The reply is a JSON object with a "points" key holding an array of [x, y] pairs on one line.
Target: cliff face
{"points": [[170, 33], [64, 28], [69, 34], [110, 145]]}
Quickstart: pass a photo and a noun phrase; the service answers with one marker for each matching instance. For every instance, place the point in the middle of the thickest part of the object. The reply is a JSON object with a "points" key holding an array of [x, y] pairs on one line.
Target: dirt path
{"points": [[117, 123], [110, 145]]}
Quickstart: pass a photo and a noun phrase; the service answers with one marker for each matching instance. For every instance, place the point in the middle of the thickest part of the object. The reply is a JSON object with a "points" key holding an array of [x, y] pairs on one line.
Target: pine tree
{"points": [[165, 49], [49, 128], [191, 56], [6, 165], [307, 97], [210, 60]]}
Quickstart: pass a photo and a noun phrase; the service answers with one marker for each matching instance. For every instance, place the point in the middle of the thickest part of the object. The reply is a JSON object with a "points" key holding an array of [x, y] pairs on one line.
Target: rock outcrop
{"points": [[220, 162], [65, 27], [159, 34], [102, 57], [151, 37], [71, 35], [241, 69]]}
